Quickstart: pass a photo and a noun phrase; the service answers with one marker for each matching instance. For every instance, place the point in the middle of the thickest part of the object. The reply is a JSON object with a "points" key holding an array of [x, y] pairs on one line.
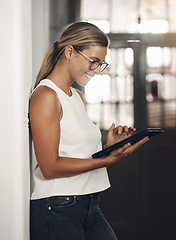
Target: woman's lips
{"points": [[88, 76]]}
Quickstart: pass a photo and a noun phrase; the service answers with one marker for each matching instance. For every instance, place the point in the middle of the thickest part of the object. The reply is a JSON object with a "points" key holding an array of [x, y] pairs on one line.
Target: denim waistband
{"points": [[45, 200]]}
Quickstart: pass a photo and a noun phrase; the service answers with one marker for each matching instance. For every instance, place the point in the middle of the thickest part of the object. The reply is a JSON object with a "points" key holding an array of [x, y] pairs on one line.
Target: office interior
{"points": [[137, 89]]}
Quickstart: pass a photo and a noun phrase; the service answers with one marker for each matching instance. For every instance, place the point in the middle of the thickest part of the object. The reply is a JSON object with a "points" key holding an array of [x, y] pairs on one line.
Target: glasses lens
{"points": [[94, 65], [103, 66]]}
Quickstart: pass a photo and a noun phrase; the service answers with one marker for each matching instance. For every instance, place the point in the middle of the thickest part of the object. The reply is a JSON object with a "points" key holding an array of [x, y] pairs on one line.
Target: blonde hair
{"points": [[81, 35]]}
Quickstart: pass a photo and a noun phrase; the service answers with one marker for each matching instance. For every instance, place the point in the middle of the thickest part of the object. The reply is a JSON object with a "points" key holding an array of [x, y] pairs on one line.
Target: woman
{"points": [[64, 203]]}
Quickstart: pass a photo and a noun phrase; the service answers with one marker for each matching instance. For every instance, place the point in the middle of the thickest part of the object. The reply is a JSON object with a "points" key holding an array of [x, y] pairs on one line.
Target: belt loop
{"points": [[92, 195]]}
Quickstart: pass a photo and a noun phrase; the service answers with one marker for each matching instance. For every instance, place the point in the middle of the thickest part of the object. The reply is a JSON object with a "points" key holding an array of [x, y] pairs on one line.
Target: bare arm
{"points": [[45, 114]]}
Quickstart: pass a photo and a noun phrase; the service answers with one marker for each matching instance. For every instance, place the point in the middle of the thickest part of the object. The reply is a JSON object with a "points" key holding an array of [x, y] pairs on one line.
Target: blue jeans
{"points": [[69, 218]]}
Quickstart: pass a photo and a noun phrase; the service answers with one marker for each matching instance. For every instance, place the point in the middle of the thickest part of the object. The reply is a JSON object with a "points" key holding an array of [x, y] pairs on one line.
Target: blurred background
{"points": [[138, 89]]}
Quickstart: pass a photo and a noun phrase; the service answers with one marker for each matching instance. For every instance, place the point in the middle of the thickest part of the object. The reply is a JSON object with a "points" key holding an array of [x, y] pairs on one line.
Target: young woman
{"points": [[64, 203]]}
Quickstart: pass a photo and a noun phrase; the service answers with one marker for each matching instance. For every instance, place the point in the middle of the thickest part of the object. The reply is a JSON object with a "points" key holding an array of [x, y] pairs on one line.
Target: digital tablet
{"points": [[150, 132]]}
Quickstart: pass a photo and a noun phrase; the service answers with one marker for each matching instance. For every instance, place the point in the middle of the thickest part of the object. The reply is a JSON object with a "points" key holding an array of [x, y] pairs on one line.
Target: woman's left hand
{"points": [[117, 134]]}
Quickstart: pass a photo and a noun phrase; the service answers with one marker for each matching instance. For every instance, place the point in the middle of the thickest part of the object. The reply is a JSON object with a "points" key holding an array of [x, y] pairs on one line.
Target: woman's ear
{"points": [[68, 52]]}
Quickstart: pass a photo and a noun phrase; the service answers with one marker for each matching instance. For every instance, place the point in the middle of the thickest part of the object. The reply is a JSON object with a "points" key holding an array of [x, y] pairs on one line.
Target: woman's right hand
{"points": [[126, 150]]}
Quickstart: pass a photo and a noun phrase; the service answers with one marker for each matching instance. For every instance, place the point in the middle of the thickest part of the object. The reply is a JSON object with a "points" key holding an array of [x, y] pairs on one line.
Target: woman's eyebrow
{"points": [[97, 59]]}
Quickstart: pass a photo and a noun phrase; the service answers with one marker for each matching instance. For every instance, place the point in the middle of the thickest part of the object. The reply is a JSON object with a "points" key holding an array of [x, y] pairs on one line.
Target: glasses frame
{"points": [[92, 62]]}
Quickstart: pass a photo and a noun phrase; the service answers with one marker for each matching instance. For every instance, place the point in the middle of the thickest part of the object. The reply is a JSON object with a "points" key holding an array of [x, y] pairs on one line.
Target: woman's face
{"points": [[80, 65]]}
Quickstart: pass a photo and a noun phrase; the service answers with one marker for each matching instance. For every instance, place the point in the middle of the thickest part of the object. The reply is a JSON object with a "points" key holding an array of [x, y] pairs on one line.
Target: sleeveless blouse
{"points": [[79, 138]]}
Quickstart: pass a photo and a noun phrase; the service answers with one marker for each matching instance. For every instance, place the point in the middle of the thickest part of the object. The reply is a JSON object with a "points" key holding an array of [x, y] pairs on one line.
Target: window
{"points": [[126, 16], [161, 86], [110, 95]]}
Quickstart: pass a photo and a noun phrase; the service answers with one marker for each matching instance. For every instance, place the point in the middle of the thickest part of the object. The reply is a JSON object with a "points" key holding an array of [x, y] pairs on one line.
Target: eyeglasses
{"points": [[95, 64]]}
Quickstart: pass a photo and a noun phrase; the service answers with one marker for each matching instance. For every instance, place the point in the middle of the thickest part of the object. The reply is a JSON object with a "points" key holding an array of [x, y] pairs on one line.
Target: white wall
{"points": [[16, 75], [40, 33]]}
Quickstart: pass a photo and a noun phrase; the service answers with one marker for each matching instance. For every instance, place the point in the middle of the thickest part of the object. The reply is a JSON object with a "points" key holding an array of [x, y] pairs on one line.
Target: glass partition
{"points": [[161, 86]]}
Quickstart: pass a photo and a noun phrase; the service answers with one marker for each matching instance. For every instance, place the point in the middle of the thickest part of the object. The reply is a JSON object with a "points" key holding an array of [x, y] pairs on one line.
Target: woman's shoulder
{"points": [[44, 93], [44, 98]]}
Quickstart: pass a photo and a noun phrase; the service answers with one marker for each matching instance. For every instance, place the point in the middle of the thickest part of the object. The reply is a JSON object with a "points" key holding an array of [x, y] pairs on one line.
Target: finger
{"points": [[127, 149], [119, 129], [126, 129], [120, 151], [112, 126], [111, 129], [132, 130], [134, 147], [139, 143]]}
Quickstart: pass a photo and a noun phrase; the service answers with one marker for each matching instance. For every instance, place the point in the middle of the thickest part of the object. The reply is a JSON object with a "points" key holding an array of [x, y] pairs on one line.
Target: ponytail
{"points": [[49, 62], [81, 35]]}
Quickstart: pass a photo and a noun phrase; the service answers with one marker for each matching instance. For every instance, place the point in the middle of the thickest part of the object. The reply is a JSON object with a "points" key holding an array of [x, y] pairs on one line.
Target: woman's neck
{"points": [[60, 77]]}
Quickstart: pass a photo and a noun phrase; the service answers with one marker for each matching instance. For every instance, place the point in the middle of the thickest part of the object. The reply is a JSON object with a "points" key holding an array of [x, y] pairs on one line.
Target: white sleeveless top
{"points": [[79, 138]]}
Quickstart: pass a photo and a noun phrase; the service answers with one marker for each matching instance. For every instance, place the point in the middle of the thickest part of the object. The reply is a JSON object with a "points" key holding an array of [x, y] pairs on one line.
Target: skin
{"points": [[46, 112]]}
